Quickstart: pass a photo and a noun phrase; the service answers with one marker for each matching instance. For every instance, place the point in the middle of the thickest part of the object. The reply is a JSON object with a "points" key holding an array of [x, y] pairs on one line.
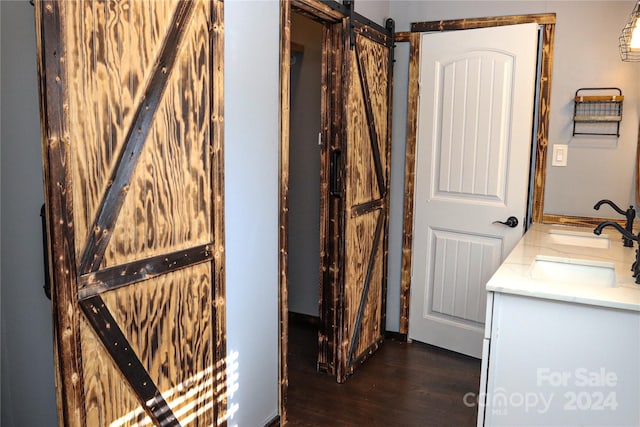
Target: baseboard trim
{"points": [[304, 319], [396, 336], [275, 422]]}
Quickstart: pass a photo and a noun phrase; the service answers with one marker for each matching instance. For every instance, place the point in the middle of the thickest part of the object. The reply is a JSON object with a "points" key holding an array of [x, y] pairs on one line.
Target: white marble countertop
{"points": [[514, 276]]}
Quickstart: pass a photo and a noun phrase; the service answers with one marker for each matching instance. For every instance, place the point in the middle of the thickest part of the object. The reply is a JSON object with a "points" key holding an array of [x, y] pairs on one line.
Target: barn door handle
{"points": [[512, 222], [335, 157], [45, 252]]}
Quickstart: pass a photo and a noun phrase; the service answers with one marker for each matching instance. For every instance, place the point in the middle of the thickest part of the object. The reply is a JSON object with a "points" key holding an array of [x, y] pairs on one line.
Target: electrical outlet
{"points": [[560, 152]]}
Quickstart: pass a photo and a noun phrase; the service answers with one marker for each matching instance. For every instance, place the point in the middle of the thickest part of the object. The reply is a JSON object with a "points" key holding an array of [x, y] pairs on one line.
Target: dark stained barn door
{"points": [[131, 105], [353, 307]]}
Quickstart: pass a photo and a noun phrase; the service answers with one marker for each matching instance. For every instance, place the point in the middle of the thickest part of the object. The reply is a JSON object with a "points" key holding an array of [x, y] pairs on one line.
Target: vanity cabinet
{"points": [[549, 362]]}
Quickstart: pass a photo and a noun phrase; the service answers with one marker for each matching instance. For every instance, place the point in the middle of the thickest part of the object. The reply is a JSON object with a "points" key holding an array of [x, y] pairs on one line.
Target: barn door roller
{"points": [[390, 25], [350, 5]]}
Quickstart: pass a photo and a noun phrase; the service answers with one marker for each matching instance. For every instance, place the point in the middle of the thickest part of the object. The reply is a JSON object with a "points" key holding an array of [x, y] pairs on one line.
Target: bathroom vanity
{"points": [[562, 338]]}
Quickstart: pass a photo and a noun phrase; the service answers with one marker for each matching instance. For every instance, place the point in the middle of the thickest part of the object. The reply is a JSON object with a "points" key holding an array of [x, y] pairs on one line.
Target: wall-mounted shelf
{"points": [[597, 111]]}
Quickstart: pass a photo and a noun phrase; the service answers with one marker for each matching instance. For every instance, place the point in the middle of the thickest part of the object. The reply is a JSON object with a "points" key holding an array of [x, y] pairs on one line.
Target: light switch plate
{"points": [[560, 152]]}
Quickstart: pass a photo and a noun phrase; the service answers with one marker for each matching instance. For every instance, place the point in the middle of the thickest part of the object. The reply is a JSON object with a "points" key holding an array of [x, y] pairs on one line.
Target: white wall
{"points": [[28, 394], [586, 55], [252, 105]]}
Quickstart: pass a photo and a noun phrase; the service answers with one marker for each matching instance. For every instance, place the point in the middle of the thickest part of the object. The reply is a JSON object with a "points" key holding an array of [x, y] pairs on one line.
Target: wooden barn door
{"points": [[131, 104], [360, 194]]}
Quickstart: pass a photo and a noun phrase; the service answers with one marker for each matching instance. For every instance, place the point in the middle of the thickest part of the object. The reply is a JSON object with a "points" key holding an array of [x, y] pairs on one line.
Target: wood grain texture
{"points": [[103, 382], [368, 92], [544, 114], [599, 98], [494, 21], [331, 206], [283, 223], [174, 204], [126, 159], [318, 10], [169, 194], [403, 37], [112, 53], [361, 185], [368, 301], [168, 323], [580, 221], [373, 71], [409, 179], [367, 95], [216, 94], [56, 154], [128, 364]]}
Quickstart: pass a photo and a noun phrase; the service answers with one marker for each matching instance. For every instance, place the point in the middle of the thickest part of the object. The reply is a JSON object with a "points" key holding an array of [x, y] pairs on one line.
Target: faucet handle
{"points": [[631, 213]]}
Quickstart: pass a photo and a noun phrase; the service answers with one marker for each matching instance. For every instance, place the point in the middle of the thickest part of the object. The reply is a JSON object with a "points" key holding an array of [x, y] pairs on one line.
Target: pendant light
{"points": [[630, 37]]}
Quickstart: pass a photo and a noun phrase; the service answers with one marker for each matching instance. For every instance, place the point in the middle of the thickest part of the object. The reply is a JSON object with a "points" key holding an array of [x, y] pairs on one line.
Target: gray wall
{"points": [[586, 55], [28, 394], [598, 167], [375, 10], [304, 168]]}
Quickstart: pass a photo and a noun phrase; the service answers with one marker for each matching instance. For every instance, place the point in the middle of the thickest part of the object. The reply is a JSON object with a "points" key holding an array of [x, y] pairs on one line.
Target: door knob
{"points": [[512, 222]]}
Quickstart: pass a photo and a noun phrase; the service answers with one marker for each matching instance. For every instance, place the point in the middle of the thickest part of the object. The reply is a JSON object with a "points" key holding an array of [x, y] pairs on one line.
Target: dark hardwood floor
{"points": [[401, 385]]}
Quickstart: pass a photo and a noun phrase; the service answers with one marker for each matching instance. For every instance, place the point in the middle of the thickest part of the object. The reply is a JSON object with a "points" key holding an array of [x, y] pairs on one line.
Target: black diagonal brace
{"points": [[113, 199], [125, 358], [365, 289], [115, 277], [373, 133]]}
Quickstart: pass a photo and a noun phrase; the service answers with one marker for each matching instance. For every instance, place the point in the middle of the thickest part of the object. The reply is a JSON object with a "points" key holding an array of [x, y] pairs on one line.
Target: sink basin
{"points": [[573, 271], [579, 238]]}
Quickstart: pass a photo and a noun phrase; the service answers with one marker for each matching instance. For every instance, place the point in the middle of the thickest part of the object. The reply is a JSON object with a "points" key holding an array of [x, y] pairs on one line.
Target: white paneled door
{"points": [[472, 164]]}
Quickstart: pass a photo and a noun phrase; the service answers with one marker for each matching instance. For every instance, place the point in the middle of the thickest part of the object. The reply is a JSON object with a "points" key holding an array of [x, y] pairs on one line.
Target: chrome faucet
{"points": [[636, 265], [630, 214]]}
